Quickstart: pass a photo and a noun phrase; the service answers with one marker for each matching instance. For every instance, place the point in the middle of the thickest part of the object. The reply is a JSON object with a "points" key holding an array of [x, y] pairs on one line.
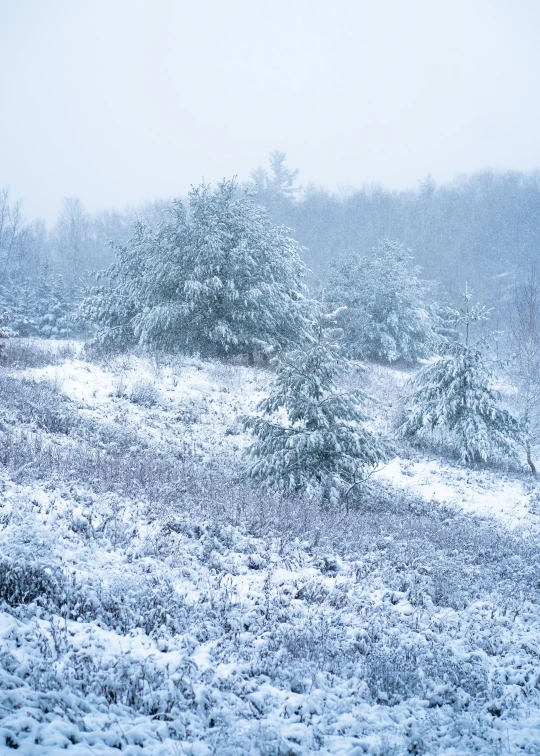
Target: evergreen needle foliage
{"points": [[218, 278], [41, 305], [310, 436], [387, 315], [454, 398], [5, 334]]}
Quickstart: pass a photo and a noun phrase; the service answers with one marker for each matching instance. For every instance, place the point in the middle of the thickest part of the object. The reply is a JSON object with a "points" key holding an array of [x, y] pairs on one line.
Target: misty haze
{"points": [[269, 377]]}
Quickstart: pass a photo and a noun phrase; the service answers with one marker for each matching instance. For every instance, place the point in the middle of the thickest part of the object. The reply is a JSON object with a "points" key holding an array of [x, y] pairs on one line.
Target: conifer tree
{"points": [[277, 185], [40, 305], [5, 334], [310, 436], [115, 307], [387, 315], [218, 278], [453, 400]]}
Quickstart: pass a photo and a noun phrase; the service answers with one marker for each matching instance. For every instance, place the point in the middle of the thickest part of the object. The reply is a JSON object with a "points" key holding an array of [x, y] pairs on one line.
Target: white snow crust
{"points": [[262, 643]]}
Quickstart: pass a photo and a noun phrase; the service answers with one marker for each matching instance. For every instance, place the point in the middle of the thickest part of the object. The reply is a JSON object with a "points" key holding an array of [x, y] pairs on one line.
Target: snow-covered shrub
{"points": [[126, 680], [150, 604], [310, 436], [394, 671], [107, 461], [145, 393], [22, 582], [36, 403], [386, 314], [219, 279], [34, 353]]}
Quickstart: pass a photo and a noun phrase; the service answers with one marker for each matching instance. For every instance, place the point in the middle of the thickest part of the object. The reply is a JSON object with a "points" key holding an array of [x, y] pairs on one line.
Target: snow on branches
{"points": [[453, 399], [218, 278], [5, 334], [387, 314], [310, 436]]}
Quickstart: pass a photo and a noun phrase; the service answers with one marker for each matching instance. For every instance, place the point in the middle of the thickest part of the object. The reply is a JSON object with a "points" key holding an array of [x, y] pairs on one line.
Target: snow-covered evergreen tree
{"points": [[218, 278], [5, 334], [452, 400], [387, 314], [276, 185], [115, 307], [40, 305], [310, 436]]}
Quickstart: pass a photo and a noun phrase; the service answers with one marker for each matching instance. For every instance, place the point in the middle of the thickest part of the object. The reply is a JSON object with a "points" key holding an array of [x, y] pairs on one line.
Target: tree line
{"points": [[483, 228]]}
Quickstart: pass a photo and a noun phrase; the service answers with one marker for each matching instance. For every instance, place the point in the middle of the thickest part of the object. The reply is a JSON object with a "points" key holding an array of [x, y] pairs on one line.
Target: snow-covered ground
{"points": [[191, 401], [509, 499], [180, 612]]}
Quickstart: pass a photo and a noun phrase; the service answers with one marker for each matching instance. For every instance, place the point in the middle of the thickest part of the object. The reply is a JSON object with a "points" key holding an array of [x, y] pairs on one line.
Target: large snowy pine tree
{"points": [[310, 436], [219, 279], [387, 316], [452, 400]]}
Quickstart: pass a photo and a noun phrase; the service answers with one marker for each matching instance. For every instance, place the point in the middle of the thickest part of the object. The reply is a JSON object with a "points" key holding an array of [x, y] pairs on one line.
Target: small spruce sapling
{"points": [[5, 334], [454, 398], [40, 304], [311, 437]]}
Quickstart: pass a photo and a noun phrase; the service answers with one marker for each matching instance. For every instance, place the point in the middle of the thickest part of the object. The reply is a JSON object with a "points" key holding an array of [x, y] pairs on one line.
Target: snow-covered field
{"points": [[152, 602]]}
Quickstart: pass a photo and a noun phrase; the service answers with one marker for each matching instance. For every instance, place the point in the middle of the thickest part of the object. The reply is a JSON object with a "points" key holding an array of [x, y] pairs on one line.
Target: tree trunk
{"points": [[529, 459]]}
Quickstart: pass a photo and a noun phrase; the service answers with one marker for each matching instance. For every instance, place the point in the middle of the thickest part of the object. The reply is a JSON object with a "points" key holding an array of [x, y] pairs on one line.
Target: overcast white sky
{"points": [[119, 101]]}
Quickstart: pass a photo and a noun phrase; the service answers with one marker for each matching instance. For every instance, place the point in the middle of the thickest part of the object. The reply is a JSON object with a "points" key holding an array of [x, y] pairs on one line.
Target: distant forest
{"points": [[483, 229]]}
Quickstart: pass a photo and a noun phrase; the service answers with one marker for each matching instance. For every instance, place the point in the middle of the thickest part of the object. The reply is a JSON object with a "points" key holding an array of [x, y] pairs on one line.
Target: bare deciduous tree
{"points": [[11, 230], [72, 239], [526, 342]]}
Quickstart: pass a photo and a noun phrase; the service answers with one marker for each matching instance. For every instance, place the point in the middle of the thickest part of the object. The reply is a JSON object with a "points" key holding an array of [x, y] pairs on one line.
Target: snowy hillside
{"points": [[153, 602]]}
